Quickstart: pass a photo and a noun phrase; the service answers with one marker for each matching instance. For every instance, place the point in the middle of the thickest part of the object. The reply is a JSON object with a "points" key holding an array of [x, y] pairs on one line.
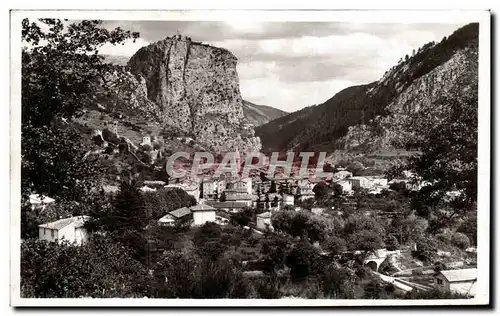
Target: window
{"points": [[52, 233], [44, 231], [439, 281]]}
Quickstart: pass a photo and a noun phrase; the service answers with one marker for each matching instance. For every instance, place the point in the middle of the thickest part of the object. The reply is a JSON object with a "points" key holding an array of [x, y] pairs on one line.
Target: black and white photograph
{"points": [[258, 158]]}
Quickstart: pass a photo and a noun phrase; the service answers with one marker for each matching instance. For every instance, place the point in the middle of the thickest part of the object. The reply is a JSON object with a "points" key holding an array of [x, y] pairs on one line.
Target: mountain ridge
{"points": [[325, 126]]}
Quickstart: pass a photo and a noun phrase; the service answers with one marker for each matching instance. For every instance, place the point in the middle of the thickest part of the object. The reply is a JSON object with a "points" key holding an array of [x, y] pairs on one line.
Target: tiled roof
{"points": [[202, 207], [238, 197], [460, 275], [180, 212], [59, 224], [227, 204], [265, 215]]}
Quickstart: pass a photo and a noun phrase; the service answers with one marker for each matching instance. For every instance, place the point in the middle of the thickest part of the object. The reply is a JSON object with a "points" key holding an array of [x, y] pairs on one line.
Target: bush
{"points": [[335, 245], [426, 249], [461, 241], [391, 242]]}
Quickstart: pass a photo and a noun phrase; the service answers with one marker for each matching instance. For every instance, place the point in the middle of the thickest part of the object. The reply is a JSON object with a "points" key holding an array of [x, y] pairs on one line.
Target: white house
{"points": [[461, 281], [146, 140], [203, 213], [342, 175], [42, 201], [359, 182], [70, 229], [346, 186], [171, 218], [264, 221], [288, 199]]}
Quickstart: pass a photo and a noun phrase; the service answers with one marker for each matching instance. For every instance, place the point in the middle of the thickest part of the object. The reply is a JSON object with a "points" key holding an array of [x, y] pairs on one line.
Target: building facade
{"points": [[67, 229]]}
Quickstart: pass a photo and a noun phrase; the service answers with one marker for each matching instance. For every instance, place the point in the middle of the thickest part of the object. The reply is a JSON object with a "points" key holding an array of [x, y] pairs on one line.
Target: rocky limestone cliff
{"points": [[195, 88]]}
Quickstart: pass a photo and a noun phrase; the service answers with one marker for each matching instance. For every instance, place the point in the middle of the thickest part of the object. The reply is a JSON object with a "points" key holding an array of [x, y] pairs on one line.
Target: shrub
{"points": [[461, 241], [426, 249], [391, 242]]}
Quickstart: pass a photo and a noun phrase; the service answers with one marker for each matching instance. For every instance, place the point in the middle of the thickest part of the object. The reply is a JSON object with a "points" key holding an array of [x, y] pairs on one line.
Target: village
{"points": [[221, 199]]}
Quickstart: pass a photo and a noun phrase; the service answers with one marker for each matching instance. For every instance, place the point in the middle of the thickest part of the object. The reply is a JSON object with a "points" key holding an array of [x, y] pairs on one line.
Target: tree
{"points": [[337, 189], [60, 71], [469, 228], [391, 243], [337, 283], [321, 191], [275, 250], [99, 268], [242, 218], [334, 245], [164, 200], [365, 240], [208, 241], [125, 221], [301, 260], [461, 241], [446, 134], [356, 168], [426, 249], [328, 168]]}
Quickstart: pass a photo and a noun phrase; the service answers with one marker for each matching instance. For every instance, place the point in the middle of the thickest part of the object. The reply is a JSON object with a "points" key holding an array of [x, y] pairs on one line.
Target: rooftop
{"points": [[59, 224], [227, 204], [180, 212], [201, 208], [460, 275], [39, 199], [265, 215]]}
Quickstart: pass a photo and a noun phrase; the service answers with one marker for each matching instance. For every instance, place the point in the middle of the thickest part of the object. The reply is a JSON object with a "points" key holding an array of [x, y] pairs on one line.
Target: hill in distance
{"points": [[360, 118]]}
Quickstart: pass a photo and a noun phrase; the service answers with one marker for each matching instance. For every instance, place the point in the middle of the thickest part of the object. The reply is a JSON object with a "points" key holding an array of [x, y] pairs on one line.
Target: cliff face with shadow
{"points": [[195, 88]]}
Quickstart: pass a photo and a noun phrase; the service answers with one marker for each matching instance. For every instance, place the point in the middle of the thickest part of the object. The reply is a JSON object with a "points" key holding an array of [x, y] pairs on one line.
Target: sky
{"points": [[292, 65]]}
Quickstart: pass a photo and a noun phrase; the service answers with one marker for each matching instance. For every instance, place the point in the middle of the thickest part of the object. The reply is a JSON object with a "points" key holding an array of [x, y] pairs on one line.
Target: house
{"points": [[180, 214], [229, 206], [288, 199], [203, 213], [212, 188], [359, 182], [346, 186], [233, 196], [70, 229], [146, 140], [243, 185], [42, 201], [264, 221], [378, 181], [461, 281], [305, 191], [342, 175]]}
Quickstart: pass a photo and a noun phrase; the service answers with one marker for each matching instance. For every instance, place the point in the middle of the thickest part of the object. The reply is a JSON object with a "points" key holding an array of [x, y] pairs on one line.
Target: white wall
{"points": [[68, 233], [47, 234], [81, 235], [201, 218], [261, 223]]}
